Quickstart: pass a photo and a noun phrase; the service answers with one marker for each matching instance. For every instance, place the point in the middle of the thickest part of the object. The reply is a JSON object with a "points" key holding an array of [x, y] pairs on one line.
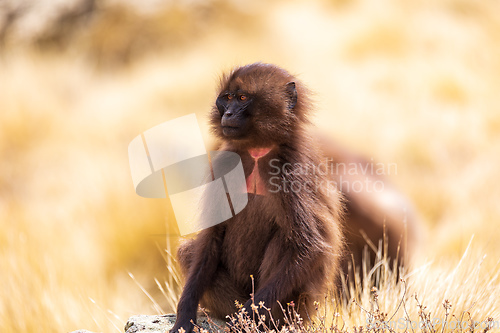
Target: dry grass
{"points": [[409, 82], [460, 298]]}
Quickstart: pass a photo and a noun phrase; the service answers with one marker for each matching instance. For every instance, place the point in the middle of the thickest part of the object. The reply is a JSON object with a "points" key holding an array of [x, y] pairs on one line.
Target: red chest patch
{"points": [[255, 184]]}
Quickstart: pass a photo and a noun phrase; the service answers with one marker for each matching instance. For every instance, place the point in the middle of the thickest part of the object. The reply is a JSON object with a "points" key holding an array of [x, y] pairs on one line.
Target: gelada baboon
{"points": [[379, 221], [288, 237]]}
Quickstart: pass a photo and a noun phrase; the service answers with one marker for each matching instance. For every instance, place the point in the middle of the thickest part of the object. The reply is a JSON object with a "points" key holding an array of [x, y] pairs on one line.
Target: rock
{"points": [[162, 324]]}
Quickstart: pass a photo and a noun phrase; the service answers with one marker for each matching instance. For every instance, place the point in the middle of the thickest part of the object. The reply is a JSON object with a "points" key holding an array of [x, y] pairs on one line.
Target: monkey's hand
{"points": [[182, 326]]}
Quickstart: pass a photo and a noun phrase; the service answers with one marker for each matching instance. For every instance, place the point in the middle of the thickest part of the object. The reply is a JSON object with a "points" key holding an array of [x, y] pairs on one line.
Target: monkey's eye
{"points": [[229, 96], [243, 97]]}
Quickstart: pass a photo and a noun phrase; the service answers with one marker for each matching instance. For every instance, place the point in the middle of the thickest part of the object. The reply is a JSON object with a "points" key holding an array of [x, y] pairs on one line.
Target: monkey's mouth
{"points": [[231, 131]]}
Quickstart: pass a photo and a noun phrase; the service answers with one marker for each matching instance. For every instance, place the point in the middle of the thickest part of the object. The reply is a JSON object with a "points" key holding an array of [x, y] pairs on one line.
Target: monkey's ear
{"points": [[292, 94]]}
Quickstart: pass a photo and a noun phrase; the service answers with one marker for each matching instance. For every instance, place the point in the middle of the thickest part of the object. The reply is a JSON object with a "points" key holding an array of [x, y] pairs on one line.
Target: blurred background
{"points": [[412, 82]]}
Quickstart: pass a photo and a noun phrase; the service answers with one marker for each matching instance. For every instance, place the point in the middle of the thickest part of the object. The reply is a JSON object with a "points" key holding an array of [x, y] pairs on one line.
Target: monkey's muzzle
{"points": [[231, 131]]}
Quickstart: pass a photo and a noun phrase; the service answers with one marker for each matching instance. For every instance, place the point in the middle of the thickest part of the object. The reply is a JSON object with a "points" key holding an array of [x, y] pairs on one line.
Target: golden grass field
{"points": [[404, 81]]}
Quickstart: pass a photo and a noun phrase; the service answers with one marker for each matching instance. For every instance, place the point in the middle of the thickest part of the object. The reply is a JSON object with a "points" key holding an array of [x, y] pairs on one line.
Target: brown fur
{"points": [[290, 241], [372, 215]]}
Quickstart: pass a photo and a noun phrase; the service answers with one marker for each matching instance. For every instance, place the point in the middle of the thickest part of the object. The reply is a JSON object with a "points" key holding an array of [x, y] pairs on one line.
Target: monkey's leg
{"points": [[284, 280], [185, 256], [220, 297]]}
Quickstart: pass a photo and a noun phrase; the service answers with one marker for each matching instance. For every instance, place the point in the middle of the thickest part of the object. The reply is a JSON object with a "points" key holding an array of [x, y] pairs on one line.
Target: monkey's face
{"points": [[235, 109], [256, 106]]}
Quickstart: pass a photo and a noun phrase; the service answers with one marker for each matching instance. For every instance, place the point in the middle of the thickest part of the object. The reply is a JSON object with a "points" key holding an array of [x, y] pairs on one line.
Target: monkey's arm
{"points": [[205, 263]]}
